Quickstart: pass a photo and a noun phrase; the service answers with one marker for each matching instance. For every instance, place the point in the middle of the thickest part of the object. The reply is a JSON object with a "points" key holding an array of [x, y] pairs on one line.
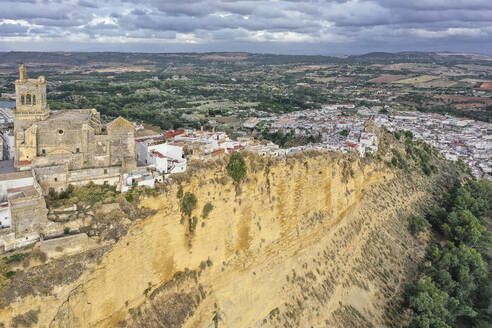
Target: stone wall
{"points": [[28, 215], [59, 177]]}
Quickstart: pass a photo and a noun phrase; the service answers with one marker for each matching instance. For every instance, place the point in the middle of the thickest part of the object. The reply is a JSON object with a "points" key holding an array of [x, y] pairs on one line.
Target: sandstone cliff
{"points": [[311, 240]]}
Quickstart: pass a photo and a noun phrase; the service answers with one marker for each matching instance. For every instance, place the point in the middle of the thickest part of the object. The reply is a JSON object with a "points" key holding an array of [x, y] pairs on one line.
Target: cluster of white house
{"points": [[164, 154]]}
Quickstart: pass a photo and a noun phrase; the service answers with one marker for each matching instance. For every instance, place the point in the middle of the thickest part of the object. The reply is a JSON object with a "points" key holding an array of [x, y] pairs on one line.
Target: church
{"points": [[68, 146]]}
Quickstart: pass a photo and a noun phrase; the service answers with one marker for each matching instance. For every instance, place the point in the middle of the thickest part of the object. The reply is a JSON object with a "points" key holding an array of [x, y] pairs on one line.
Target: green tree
{"points": [[236, 167], [417, 224], [188, 204], [460, 272], [463, 227], [430, 305], [344, 133], [437, 216], [465, 201]]}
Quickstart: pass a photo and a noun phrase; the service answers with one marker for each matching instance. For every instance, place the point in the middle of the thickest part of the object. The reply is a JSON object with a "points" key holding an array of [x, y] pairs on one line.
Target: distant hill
{"points": [[46, 60], [420, 57]]}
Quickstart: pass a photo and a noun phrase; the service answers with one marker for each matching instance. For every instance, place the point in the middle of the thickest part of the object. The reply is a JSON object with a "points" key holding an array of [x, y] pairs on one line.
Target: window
{"points": [[77, 150], [23, 100], [105, 171], [34, 99], [28, 99], [56, 179], [44, 151], [60, 132]]}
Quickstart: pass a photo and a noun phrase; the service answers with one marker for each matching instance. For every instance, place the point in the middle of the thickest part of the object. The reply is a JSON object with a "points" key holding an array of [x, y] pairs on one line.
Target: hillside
{"points": [[315, 239], [64, 60]]}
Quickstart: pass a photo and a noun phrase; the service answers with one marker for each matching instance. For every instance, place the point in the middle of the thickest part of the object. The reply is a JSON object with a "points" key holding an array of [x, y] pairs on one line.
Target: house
{"points": [[157, 153], [140, 178], [23, 213]]}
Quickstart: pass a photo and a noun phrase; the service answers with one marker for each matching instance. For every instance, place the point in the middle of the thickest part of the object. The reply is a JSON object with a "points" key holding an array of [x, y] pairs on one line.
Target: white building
{"points": [[140, 178], [164, 157], [11, 181]]}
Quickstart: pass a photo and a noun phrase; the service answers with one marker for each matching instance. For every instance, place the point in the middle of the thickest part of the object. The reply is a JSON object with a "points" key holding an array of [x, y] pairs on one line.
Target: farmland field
{"points": [[387, 78], [417, 79]]}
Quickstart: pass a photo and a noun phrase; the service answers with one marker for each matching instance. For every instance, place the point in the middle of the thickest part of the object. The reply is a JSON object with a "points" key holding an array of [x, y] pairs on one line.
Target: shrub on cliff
{"points": [[207, 208], [417, 224], [236, 167], [188, 203]]}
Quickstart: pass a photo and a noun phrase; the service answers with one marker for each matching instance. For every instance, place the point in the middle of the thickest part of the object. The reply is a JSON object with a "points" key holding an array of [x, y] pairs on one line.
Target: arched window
{"points": [[34, 99], [23, 100], [28, 99]]}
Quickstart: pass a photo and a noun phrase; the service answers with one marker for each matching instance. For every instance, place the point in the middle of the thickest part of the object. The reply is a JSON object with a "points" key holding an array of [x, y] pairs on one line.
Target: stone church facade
{"points": [[54, 149], [68, 146]]}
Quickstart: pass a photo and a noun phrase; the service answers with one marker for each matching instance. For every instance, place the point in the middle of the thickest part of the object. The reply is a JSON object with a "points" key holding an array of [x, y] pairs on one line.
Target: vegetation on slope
{"points": [[236, 167], [454, 286]]}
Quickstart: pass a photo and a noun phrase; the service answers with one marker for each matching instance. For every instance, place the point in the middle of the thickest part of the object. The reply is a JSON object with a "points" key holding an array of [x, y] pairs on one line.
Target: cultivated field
{"points": [[387, 78], [417, 79]]}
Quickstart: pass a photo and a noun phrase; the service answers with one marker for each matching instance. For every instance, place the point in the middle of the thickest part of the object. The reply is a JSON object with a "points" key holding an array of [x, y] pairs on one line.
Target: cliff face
{"points": [[314, 240]]}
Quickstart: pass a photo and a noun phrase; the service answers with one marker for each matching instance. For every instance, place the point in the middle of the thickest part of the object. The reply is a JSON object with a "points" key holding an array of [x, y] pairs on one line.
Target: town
{"points": [[46, 151]]}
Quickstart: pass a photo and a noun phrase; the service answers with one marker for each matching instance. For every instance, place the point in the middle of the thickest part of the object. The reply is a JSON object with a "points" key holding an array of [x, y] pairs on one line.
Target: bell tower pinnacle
{"points": [[30, 97], [22, 73]]}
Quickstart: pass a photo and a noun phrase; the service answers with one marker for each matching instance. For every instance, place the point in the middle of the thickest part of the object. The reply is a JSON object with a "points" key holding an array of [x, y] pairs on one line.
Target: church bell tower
{"points": [[30, 107], [30, 97]]}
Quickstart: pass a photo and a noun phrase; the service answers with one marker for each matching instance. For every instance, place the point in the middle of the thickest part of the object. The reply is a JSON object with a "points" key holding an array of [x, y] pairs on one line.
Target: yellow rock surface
{"points": [[305, 241]]}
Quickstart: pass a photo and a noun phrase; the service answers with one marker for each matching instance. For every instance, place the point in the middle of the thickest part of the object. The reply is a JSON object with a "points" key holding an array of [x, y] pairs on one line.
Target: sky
{"points": [[324, 27]]}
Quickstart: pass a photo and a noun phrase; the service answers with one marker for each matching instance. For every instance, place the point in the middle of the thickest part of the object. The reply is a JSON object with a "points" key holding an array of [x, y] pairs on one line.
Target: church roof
{"points": [[71, 115], [120, 124]]}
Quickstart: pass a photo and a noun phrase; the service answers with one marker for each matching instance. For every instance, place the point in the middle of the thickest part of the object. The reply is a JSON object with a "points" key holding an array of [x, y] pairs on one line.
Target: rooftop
{"points": [[22, 192], [15, 175], [71, 115]]}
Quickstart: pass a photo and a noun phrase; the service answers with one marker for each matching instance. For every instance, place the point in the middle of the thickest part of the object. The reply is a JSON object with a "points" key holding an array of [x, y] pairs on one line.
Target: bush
{"points": [[397, 135], [28, 319], [15, 258], [417, 224], [188, 204], [207, 208], [394, 161], [236, 167]]}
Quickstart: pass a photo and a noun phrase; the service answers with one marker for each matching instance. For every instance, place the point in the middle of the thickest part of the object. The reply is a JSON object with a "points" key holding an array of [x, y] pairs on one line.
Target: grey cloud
{"points": [[18, 10], [12, 29], [89, 4], [345, 24]]}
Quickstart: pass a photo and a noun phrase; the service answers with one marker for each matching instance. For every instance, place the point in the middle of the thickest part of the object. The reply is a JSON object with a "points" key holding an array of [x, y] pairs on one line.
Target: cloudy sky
{"points": [[331, 27]]}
